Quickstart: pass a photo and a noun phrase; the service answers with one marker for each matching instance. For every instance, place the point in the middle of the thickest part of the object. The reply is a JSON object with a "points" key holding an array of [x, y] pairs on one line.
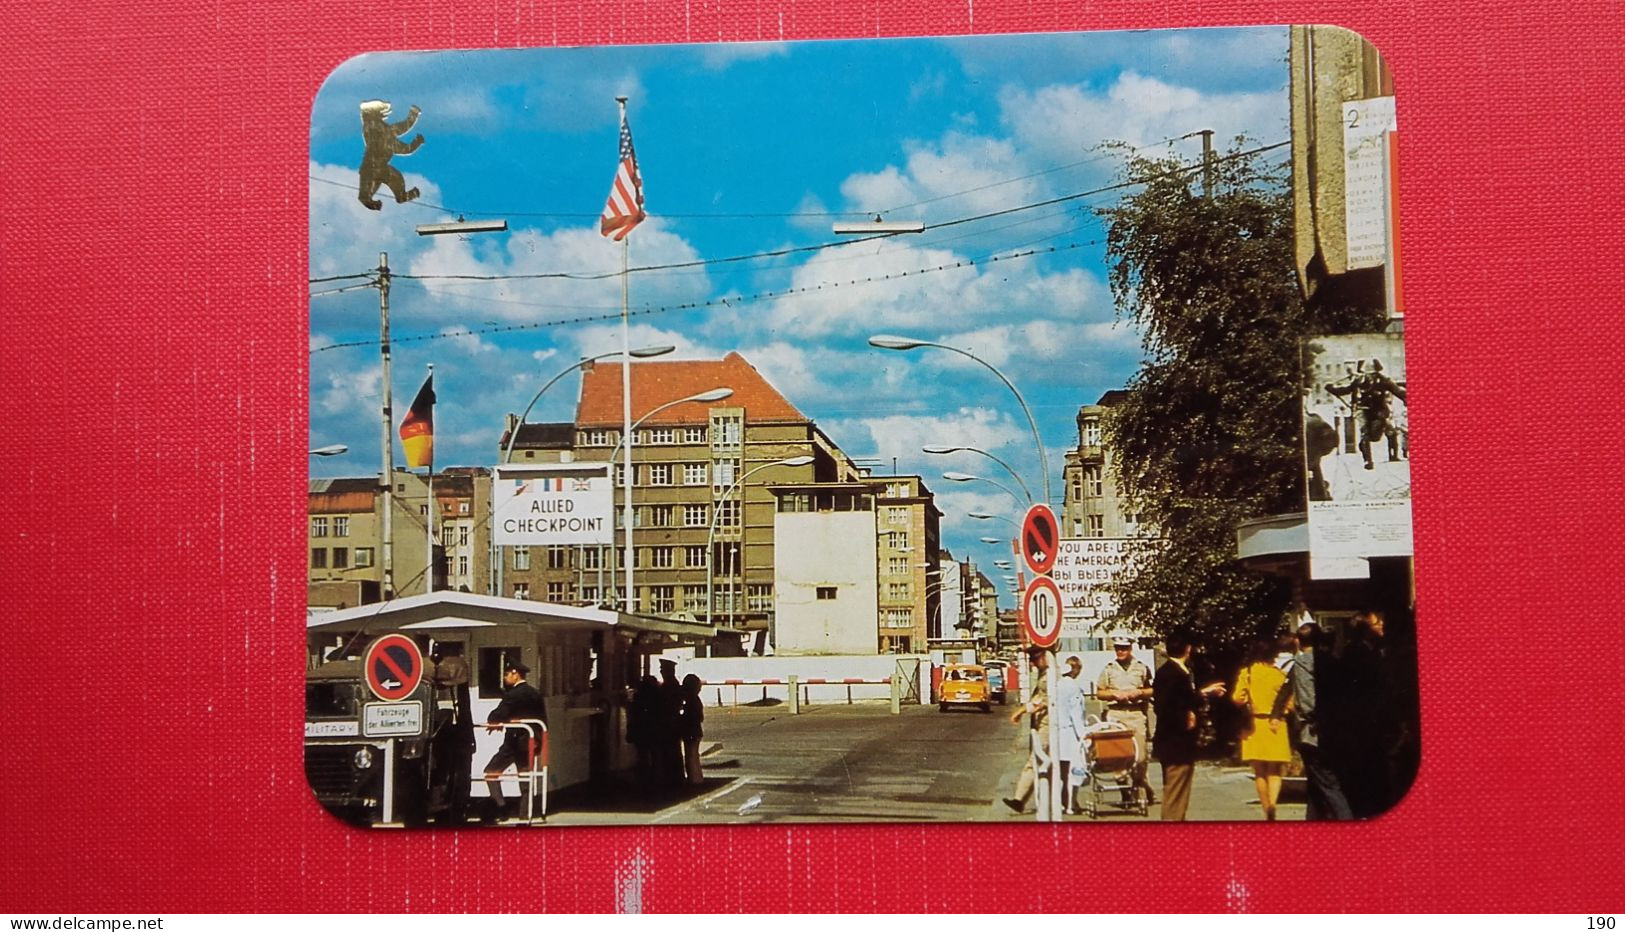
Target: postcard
{"points": [[997, 429]]}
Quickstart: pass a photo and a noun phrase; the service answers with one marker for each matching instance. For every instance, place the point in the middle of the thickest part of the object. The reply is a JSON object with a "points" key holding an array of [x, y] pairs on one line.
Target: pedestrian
{"points": [[668, 732], [643, 726], [1178, 705], [520, 700], [1326, 799], [1369, 726], [1125, 687], [1069, 707], [692, 728], [453, 741], [1261, 690], [1036, 708]]}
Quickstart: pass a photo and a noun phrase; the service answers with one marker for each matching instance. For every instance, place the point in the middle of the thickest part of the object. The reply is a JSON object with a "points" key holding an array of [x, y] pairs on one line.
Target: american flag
{"points": [[624, 209]]}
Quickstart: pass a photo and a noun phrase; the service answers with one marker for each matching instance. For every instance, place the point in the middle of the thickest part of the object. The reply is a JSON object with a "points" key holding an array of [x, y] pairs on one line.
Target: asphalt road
{"points": [[842, 763]]}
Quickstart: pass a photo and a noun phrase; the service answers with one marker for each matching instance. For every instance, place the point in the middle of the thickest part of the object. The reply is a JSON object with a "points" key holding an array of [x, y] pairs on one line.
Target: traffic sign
{"points": [[1041, 611], [1040, 539], [394, 667]]}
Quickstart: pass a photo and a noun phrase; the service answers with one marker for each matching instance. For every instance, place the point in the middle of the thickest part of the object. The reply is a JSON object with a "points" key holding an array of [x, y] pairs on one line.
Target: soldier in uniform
{"points": [[1370, 390], [520, 700], [1125, 687]]}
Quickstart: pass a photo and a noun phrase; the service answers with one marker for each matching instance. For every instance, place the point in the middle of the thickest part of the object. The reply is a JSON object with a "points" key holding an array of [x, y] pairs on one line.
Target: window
{"points": [[423, 510], [462, 566], [341, 526], [728, 513], [592, 558], [492, 660], [660, 435], [462, 536], [521, 558], [897, 490], [661, 557], [826, 593], [555, 592], [897, 566], [462, 508], [661, 515], [318, 558], [318, 527], [558, 558], [694, 598], [759, 597], [521, 590], [341, 558], [694, 473], [598, 438], [897, 540], [896, 515], [898, 618], [694, 556], [1092, 480], [727, 430], [589, 595], [662, 599], [1097, 525], [1091, 432], [723, 475], [363, 557], [659, 474], [694, 435], [696, 516], [898, 591]]}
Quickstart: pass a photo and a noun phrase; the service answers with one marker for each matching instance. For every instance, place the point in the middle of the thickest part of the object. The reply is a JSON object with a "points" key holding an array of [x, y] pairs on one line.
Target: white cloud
{"points": [[719, 55]]}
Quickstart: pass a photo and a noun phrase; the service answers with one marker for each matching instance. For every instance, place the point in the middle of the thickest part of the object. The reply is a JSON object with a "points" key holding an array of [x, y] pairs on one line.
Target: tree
{"points": [[1208, 436]]}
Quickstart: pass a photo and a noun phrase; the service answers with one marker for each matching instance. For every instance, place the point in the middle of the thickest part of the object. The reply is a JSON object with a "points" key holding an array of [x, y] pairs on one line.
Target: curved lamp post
{"points": [[885, 341], [643, 352], [942, 451], [967, 477], [640, 353], [715, 394], [332, 449], [711, 534]]}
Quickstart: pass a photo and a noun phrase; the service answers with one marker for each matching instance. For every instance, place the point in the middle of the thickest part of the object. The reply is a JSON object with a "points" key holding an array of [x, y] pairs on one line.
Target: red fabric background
{"points": [[152, 272]]}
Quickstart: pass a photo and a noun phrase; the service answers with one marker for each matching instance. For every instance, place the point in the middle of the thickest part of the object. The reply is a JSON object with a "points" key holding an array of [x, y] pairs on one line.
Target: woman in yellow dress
{"points": [[1259, 689]]}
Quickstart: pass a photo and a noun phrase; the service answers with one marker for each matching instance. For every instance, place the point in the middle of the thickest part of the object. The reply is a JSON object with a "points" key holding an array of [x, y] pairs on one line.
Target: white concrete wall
{"points": [[825, 549], [714, 670]]}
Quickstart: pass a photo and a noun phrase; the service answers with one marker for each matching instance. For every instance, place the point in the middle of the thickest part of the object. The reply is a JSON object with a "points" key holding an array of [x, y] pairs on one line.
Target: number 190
{"points": [[1603, 923]]}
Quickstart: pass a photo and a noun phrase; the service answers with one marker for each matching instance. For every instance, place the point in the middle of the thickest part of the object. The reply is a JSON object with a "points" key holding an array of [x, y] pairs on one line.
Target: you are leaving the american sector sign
{"points": [[547, 504]]}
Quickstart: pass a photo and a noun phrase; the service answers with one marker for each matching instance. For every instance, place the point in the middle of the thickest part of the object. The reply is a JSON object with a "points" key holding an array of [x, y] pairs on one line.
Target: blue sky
{"points": [[753, 148]]}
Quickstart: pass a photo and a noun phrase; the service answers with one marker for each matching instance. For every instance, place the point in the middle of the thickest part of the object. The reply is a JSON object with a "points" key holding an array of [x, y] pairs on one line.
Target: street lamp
{"points": [[643, 352], [884, 341], [941, 451], [640, 353], [967, 477], [711, 533], [332, 449], [878, 226], [989, 516], [715, 394]]}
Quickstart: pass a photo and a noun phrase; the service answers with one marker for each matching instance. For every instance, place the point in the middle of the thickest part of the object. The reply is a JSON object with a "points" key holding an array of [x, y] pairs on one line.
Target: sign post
{"points": [[1041, 617]]}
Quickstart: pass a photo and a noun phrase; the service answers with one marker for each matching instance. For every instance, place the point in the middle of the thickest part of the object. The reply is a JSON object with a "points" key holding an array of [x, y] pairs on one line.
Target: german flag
{"points": [[417, 430]]}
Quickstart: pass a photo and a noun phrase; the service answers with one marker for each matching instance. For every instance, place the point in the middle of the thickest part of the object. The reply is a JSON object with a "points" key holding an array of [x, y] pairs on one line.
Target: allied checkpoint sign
{"points": [[553, 504]]}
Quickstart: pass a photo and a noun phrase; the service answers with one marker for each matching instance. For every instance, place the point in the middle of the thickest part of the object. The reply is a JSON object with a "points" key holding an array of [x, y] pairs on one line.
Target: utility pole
{"points": [[387, 480], [1207, 163]]}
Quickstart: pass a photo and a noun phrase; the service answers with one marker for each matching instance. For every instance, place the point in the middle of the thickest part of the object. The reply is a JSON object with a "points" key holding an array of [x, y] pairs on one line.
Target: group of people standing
{"points": [[665, 723], [1336, 711]]}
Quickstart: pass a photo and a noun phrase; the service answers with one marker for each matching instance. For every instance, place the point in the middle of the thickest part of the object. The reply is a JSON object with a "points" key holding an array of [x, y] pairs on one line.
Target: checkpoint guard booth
{"points": [[582, 660]]}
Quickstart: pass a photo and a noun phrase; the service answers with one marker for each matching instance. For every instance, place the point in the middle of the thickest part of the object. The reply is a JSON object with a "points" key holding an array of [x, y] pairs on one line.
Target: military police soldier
{"points": [[520, 700], [1125, 687]]}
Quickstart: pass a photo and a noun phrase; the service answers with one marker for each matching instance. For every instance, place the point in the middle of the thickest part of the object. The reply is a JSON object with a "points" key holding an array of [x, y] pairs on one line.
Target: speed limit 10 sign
{"points": [[1041, 611]]}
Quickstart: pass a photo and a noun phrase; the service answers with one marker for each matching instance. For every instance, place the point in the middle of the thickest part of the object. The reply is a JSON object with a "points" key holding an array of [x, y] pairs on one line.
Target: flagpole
{"points": [[428, 573], [626, 400]]}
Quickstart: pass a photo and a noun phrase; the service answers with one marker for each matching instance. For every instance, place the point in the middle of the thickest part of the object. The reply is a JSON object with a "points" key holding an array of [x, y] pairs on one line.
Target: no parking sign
{"points": [[394, 667]]}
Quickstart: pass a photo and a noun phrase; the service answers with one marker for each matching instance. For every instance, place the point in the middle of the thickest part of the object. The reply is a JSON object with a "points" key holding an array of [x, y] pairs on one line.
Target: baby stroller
{"points": [[1110, 750]]}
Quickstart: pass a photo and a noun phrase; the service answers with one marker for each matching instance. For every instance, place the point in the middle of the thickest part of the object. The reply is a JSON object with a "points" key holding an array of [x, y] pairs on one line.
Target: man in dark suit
{"points": [[1178, 704]]}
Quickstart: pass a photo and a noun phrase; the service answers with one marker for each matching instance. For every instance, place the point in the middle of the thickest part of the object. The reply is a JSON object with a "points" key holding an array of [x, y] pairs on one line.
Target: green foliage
{"points": [[1209, 434]]}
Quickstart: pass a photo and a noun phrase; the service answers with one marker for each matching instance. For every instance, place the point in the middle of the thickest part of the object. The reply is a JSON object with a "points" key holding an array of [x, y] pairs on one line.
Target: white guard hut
{"points": [[582, 660]]}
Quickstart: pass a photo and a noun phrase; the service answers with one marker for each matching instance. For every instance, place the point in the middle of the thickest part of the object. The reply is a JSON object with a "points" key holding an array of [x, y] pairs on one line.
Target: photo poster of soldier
{"points": [[1356, 451]]}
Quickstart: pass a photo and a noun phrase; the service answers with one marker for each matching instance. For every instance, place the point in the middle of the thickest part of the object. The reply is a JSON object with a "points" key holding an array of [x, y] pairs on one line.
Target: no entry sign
{"points": [[394, 667], [1041, 611], [1040, 539]]}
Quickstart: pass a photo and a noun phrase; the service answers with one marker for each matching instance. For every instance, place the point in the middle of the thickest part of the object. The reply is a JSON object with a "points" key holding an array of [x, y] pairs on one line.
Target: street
{"points": [[859, 763]]}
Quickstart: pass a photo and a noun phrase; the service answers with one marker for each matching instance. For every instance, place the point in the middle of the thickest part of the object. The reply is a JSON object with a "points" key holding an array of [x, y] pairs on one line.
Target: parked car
{"points": [[997, 674], [964, 684]]}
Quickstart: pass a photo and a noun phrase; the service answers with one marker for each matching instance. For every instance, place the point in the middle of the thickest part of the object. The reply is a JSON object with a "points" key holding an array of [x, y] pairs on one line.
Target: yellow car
{"points": [[964, 684]]}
